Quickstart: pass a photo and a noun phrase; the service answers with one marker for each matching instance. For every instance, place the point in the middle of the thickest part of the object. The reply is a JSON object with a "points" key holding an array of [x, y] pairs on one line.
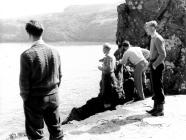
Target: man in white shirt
{"points": [[136, 56]]}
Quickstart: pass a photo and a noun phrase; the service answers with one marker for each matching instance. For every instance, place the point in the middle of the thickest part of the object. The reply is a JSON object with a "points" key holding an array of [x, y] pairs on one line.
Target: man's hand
{"points": [[153, 67]]}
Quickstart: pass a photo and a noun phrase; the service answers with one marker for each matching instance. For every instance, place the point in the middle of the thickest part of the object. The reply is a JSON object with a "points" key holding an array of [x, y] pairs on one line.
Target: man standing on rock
{"points": [[40, 77], [157, 57]]}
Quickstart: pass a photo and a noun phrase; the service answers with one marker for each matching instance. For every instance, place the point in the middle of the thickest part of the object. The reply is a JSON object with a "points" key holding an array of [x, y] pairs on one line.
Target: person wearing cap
{"points": [[135, 56], [108, 77], [157, 57], [40, 77]]}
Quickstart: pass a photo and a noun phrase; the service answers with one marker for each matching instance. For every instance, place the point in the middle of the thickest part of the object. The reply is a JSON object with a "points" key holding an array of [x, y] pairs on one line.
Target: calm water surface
{"points": [[80, 81]]}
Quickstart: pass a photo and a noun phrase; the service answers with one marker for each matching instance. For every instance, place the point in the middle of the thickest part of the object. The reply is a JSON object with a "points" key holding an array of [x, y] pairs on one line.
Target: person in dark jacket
{"points": [[40, 77]]}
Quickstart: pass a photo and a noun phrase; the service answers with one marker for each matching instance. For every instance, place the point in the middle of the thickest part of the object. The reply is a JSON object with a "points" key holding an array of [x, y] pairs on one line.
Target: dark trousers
{"points": [[108, 84], [42, 109], [157, 84]]}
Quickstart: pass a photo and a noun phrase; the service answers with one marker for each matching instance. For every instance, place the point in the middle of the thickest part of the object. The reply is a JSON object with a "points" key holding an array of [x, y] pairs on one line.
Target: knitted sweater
{"points": [[157, 49], [40, 71], [108, 64]]}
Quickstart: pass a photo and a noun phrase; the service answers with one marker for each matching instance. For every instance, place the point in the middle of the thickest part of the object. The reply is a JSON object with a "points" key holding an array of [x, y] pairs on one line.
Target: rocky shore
{"points": [[132, 122], [129, 122]]}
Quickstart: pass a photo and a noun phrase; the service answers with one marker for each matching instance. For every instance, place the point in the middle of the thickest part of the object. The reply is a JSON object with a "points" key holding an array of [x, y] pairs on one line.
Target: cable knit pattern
{"points": [[40, 71]]}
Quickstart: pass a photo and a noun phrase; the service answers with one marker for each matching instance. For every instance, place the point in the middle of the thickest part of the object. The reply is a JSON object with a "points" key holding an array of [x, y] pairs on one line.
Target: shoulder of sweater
{"points": [[51, 48], [29, 52], [108, 58], [159, 37], [26, 55]]}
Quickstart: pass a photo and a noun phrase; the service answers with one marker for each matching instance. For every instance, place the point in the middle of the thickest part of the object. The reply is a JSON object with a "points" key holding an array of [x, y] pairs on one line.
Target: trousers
{"points": [[40, 109], [139, 77], [156, 78]]}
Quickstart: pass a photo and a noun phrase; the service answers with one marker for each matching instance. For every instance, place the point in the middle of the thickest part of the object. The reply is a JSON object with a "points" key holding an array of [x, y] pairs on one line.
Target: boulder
{"points": [[171, 17]]}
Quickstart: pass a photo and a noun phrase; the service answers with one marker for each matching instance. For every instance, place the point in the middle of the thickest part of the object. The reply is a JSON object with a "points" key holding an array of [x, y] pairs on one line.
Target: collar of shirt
{"points": [[40, 41], [154, 35]]}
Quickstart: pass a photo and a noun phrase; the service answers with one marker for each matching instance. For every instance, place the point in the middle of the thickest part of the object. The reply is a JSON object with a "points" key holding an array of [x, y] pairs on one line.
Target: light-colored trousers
{"points": [[139, 77]]}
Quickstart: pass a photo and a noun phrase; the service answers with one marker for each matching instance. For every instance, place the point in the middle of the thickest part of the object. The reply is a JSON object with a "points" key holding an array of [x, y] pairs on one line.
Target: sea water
{"points": [[80, 81]]}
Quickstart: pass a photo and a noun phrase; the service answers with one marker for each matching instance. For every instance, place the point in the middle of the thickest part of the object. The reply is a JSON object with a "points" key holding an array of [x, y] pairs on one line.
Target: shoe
{"points": [[158, 113], [159, 110], [151, 111]]}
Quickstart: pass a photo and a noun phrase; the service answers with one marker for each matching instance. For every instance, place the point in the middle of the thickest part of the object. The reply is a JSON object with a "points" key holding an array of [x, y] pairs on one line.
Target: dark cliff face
{"points": [[171, 17]]}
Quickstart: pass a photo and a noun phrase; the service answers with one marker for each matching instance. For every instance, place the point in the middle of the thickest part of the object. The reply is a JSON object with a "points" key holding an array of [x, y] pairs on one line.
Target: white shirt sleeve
{"points": [[146, 53], [124, 58]]}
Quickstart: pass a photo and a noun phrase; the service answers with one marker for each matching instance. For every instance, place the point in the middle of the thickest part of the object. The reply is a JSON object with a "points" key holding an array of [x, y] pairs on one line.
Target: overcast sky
{"points": [[21, 8]]}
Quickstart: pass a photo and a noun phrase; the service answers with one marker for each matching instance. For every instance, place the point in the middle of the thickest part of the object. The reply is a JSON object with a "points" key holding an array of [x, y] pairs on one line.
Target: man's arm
{"points": [[101, 60], [124, 59], [24, 78], [146, 53], [159, 44]]}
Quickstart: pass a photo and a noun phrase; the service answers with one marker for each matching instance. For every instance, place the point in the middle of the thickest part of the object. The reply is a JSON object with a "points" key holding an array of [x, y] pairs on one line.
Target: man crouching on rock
{"points": [[135, 56]]}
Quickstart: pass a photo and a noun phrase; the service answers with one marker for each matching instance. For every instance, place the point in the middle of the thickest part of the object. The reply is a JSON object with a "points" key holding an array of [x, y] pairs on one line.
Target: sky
{"points": [[23, 8]]}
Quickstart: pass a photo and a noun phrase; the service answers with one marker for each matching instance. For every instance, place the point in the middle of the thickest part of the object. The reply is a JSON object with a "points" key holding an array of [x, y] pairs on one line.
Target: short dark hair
{"points": [[126, 44], [34, 28]]}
